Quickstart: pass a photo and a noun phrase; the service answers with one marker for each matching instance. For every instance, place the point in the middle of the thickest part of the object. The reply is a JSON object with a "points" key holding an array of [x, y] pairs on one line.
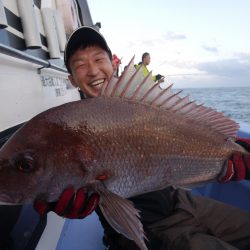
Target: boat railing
{"points": [[29, 58]]}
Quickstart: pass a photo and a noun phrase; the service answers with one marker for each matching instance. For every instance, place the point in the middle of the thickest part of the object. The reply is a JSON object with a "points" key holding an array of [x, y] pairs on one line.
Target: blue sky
{"points": [[194, 43]]}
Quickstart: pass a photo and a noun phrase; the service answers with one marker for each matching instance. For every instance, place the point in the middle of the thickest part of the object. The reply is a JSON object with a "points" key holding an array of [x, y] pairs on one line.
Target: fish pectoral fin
{"points": [[122, 216]]}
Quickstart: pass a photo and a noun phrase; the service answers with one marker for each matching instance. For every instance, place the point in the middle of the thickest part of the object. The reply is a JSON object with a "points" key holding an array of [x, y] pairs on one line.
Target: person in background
{"points": [[116, 61], [172, 218], [144, 63]]}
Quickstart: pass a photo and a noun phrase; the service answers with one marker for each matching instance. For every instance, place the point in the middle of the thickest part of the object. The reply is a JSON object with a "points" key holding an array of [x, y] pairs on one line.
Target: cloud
{"points": [[151, 42], [234, 67], [228, 72], [178, 63], [148, 43], [243, 56], [170, 35], [142, 43], [210, 49]]}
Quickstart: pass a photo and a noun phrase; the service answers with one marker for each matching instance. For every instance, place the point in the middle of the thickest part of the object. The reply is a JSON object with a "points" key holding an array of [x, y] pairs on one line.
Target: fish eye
{"points": [[24, 163]]}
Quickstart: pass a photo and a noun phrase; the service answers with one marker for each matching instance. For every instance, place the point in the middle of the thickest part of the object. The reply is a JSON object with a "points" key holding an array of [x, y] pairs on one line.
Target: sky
{"points": [[193, 43]]}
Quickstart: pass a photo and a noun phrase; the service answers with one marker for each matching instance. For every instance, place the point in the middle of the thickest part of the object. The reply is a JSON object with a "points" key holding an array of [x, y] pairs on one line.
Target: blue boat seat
{"points": [[233, 193], [83, 234]]}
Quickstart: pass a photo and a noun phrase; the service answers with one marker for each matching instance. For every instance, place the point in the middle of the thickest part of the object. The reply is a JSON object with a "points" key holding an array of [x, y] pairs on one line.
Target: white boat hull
{"points": [[27, 91]]}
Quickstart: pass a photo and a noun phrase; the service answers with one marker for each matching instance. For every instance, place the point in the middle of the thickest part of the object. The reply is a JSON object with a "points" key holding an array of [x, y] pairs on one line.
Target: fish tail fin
{"points": [[122, 216]]}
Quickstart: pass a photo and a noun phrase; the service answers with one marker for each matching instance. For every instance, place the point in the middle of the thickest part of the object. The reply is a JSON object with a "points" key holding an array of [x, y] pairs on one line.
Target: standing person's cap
{"points": [[84, 36]]}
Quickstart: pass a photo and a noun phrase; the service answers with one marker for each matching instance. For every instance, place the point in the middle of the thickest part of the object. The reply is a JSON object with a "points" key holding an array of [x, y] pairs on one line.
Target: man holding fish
{"points": [[171, 218], [90, 66]]}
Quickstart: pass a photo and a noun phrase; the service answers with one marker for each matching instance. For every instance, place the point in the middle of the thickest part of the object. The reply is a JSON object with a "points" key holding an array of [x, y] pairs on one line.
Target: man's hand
{"points": [[72, 204], [158, 77], [238, 166]]}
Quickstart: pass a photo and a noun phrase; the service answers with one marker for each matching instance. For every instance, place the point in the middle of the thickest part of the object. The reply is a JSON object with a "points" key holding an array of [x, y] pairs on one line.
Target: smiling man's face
{"points": [[91, 68]]}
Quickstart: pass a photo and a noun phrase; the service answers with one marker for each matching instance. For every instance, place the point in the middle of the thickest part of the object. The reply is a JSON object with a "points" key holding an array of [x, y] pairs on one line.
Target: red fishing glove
{"points": [[72, 204], [238, 166]]}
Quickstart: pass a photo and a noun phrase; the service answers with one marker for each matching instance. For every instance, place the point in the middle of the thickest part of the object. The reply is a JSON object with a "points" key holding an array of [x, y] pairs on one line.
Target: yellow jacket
{"points": [[145, 70]]}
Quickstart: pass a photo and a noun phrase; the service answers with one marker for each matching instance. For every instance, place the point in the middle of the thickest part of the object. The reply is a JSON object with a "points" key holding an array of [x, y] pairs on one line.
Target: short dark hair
{"points": [[82, 38], [144, 55]]}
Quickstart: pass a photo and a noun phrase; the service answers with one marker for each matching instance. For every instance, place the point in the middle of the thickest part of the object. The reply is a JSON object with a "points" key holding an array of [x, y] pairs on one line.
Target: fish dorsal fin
{"points": [[133, 85], [116, 85], [122, 216]]}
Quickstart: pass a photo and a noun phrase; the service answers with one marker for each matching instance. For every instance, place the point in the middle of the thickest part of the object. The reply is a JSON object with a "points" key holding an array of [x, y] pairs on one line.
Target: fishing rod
{"points": [[188, 74]]}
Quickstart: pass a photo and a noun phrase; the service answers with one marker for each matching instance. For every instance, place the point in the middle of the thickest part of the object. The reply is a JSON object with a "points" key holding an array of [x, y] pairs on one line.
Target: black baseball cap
{"points": [[84, 36]]}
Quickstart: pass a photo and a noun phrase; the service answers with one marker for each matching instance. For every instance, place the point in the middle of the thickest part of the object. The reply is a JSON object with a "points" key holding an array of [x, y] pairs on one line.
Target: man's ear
{"points": [[71, 79]]}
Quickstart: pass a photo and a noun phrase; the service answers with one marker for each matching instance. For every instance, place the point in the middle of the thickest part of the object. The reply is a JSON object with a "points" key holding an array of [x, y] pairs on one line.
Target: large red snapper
{"points": [[134, 138]]}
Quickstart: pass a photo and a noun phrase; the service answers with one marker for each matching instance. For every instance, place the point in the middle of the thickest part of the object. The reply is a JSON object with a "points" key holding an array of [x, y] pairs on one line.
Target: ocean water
{"points": [[233, 102]]}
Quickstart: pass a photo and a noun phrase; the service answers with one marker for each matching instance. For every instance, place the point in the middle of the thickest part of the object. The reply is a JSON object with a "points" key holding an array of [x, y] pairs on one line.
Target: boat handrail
{"points": [[29, 24], [29, 58], [3, 19]]}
